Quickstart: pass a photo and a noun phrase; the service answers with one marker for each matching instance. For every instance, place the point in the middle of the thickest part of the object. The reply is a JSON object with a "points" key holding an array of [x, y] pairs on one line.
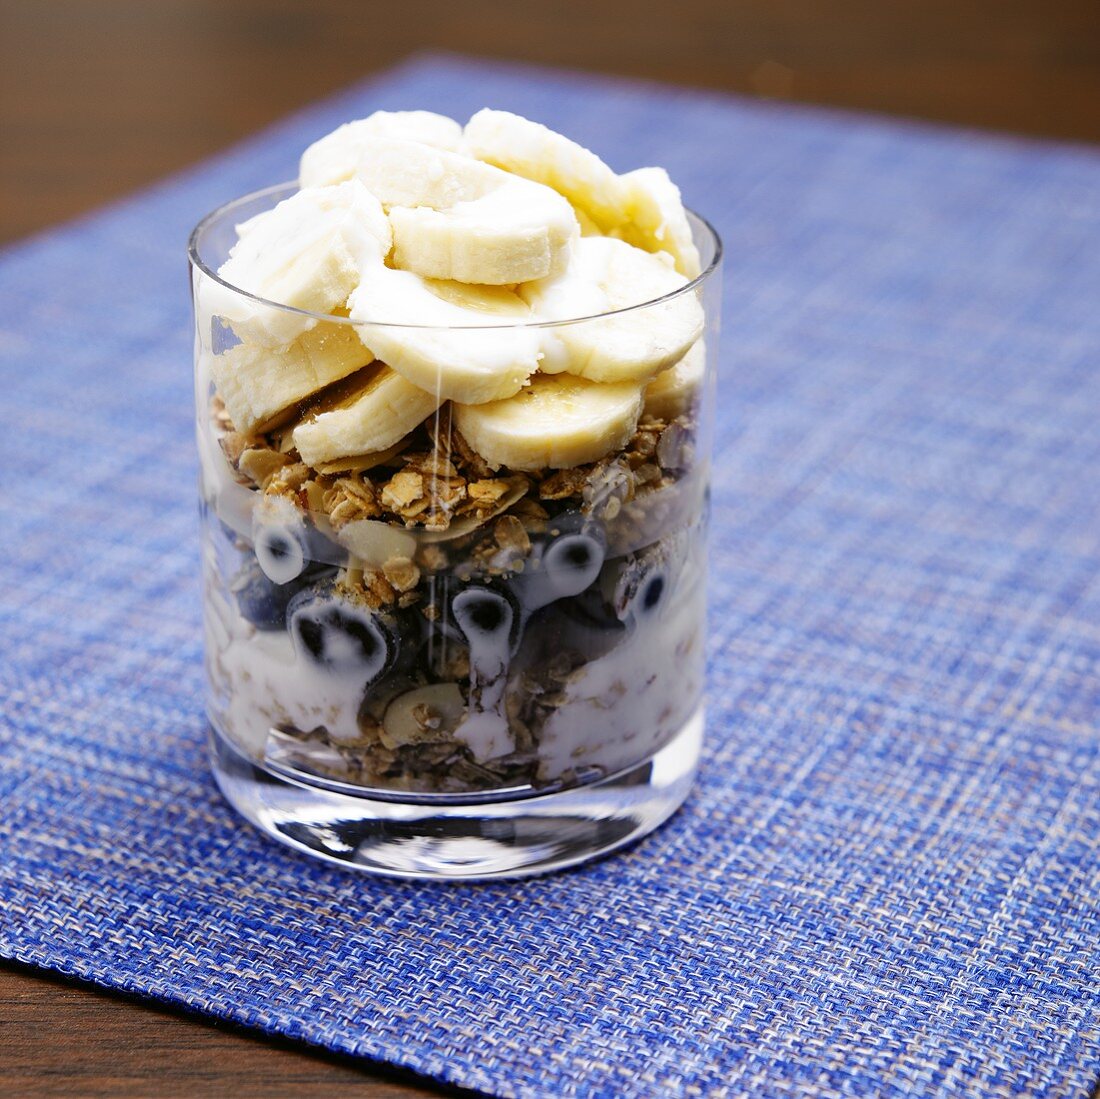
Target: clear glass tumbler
{"points": [[422, 665]]}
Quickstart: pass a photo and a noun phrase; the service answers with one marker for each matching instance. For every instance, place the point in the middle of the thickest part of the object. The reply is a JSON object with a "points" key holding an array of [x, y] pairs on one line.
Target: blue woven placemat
{"points": [[886, 882]]}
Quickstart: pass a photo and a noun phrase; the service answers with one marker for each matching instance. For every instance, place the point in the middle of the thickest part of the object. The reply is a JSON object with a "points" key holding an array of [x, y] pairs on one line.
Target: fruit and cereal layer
{"points": [[453, 542]]}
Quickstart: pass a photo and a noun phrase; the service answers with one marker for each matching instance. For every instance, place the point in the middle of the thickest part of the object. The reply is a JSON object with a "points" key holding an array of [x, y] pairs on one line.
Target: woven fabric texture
{"points": [[886, 880]]}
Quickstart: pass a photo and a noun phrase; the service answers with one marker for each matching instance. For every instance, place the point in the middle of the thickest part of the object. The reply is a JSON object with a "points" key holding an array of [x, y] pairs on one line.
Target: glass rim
{"points": [[197, 262]]}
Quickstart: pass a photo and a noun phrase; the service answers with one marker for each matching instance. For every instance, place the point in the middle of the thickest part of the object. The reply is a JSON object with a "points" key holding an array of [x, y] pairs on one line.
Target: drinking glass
{"points": [[424, 666]]}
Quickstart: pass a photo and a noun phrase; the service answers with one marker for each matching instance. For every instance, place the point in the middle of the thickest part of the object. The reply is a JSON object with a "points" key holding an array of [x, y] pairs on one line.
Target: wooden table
{"points": [[99, 97], [64, 1039]]}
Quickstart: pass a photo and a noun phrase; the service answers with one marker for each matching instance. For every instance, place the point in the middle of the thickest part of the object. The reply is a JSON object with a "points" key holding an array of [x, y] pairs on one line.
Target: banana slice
{"points": [[675, 390], [588, 227], [335, 156], [606, 275], [306, 253], [454, 217], [433, 334], [642, 207], [378, 412], [535, 152], [557, 422], [655, 218], [258, 385]]}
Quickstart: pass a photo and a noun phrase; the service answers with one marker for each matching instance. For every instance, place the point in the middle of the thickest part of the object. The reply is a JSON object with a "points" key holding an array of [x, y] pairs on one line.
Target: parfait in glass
{"points": [[454, 391]]}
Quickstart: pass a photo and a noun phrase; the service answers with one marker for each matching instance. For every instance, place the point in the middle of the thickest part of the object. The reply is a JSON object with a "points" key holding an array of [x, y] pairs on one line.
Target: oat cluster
{"points": [[434, 481]]}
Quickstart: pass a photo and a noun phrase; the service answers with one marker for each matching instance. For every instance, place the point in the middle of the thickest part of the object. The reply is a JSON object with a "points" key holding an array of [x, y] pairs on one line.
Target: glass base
{"points": [[461, 839]]}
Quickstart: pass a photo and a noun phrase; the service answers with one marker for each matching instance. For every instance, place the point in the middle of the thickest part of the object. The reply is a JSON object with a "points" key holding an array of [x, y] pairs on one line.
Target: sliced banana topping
{"points": [[557, 422], [307, 252], [454, 252], [456, 218], [606, 275], [656, 220], [642, 207], [535, 152], [588, 227], [259, 384], [434, 334], [335, 156], [675, 390], [377, 413]]}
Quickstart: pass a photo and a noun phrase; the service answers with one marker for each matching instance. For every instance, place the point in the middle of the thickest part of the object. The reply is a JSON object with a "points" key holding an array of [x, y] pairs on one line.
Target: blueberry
{"points": [[489, 618], [650, 596], [259, 600], [642, 587], [585, 626], [286, 542], [321, 548], [592, 610], [484, 612], [567, 522], [340, 637], [569, 564], [281, 551]]}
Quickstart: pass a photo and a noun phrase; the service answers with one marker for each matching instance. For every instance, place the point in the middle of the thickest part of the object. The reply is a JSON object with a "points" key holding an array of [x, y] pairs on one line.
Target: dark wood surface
{"points": [[59, 1038], [100, 97]]}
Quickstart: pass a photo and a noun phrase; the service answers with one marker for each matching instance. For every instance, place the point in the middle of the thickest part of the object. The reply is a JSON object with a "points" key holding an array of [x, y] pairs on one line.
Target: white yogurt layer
{"points": [[627, 704], [617, 709], [259, 682]]}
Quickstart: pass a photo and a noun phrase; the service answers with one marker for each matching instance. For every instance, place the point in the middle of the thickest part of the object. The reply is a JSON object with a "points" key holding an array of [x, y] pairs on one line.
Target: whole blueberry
{"points": [[340, 637], [259, 599]]}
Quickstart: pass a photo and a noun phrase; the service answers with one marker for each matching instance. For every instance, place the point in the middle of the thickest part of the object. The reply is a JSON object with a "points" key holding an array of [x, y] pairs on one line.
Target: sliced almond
{"points": [[467, 524], [375, 542], [362, 462], [425, 715]]}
